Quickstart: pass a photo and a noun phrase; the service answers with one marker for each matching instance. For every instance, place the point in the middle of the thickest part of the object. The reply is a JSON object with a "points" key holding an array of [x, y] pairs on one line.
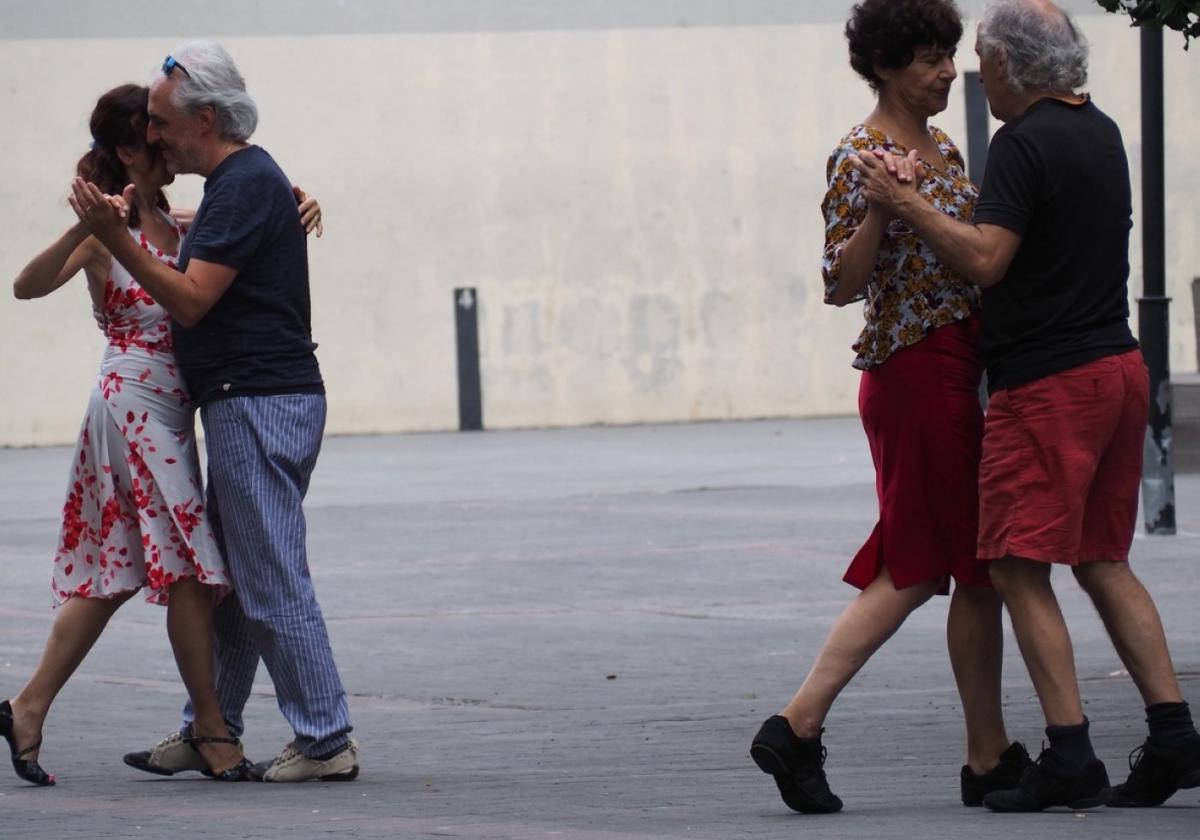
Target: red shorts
{"points": [[1062, 463], [921, 413]]}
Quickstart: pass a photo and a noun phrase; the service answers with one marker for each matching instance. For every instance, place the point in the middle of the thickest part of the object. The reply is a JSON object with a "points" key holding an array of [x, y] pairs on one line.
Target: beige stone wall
{"points": [[637, 207]]}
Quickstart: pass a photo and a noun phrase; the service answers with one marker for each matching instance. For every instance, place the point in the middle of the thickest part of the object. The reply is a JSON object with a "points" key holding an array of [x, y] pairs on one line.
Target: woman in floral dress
{"points": [[134, 516], [918, 398]]}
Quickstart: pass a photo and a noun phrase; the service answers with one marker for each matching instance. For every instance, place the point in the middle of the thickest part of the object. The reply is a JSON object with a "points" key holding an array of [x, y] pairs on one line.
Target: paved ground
{"points": [[571, 634]]}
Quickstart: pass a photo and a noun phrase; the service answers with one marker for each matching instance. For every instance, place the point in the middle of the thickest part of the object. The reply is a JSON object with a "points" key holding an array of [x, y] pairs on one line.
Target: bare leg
{"points": [[189, 626], [1134, 626], [77, 625], [867, 622], [1042, 636], [975, 638]]}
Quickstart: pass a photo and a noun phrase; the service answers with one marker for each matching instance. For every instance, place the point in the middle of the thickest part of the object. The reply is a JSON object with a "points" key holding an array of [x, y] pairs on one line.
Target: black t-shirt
{"points": [[257, 338], [1058, 176]]}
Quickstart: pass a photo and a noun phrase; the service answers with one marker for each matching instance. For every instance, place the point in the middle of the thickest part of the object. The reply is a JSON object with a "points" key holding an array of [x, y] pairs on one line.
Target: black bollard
{"points": [[470, 389]]}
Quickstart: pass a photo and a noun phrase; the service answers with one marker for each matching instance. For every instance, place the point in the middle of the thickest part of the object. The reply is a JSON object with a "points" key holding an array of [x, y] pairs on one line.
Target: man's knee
{"points": [[1013, 575], [1101, 577], [983, 596]]}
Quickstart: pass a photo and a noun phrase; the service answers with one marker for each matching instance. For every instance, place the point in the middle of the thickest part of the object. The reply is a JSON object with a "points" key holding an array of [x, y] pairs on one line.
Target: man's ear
{"points": [[125, 154], [207, 115], [1001, 58]]}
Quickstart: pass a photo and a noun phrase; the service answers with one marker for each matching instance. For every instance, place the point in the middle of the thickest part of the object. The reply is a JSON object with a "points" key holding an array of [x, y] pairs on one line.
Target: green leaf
{"points": [[1180, 15]]}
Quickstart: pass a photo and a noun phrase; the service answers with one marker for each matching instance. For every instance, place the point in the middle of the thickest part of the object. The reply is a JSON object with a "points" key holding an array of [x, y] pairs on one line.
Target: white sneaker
{"points": [[291, 765], [171, 755]]}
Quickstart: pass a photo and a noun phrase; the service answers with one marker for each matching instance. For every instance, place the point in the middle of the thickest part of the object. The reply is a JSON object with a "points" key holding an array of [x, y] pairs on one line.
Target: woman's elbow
{"points": [[835, 291], [841, 294]]}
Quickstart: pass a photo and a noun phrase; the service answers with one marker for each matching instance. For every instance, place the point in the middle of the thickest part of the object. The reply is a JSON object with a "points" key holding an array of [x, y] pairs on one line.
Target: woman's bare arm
{"points": [[74, 250]]}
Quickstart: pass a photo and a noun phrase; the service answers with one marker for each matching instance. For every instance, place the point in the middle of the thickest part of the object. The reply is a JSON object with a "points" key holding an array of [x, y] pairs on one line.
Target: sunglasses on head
{"points": [[170, 63]]}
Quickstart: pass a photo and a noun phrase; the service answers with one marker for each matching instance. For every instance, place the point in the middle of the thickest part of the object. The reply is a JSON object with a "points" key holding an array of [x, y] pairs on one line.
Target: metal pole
{"points": [[1158, 470]]}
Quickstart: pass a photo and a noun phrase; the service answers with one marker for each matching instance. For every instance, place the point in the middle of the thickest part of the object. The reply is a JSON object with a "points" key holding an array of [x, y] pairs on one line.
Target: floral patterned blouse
{"points": [[910, 292]]}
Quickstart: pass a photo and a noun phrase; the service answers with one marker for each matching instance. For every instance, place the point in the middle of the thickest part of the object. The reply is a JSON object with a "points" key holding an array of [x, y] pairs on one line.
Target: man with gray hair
{"points": [[1062, 449], [240, 301]]}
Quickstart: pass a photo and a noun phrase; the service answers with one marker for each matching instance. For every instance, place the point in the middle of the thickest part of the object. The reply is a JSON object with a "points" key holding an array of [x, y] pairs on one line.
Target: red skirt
{"points": [[921, 413]]}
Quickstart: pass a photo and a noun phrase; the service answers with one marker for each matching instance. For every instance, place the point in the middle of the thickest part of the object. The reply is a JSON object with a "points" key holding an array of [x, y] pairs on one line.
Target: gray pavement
{"points": [[572, 634]]}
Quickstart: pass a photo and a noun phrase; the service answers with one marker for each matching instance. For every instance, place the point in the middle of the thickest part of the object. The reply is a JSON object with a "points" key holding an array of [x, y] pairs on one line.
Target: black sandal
{"points": [[239, 772], [27, 769]]}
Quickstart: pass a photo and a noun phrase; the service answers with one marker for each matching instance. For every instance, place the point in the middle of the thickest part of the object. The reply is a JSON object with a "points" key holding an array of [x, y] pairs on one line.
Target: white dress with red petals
{"points": [[134, 515]]}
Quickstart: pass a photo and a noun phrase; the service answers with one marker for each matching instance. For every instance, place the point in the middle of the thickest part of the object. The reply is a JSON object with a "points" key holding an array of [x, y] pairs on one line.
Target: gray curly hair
{"points": [[1045, 48], [211, 78]]}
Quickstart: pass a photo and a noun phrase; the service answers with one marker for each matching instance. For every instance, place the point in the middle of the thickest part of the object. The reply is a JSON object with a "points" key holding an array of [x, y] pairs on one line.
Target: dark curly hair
{"points": [[889, 32], [119, 119]]}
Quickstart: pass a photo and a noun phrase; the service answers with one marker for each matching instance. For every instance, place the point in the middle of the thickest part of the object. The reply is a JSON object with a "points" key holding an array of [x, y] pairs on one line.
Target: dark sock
{"points": [[1170, 722], [1071, 743], [325, 756]]}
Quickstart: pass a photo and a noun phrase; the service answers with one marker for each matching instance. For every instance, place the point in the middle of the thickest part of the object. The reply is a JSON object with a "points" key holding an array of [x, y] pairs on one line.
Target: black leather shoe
{"points": [[798, 766], [1004, 776], [1049, 782], [1156, 772], [239, 772], [26, 768]]}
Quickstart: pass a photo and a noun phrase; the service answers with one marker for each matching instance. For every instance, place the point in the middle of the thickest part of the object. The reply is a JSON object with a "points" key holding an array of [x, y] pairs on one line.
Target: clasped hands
{"points": [[888, 179], [101, 214]]}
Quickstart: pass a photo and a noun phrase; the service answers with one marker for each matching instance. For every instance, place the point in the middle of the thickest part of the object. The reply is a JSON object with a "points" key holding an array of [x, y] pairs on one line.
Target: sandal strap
{"points": [[210, 739], [29, 749]]}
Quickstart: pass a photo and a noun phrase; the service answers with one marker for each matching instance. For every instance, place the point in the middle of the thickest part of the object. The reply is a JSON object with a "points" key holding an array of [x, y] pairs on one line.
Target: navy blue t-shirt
{"points": [[257, 338], [1057, 175]]}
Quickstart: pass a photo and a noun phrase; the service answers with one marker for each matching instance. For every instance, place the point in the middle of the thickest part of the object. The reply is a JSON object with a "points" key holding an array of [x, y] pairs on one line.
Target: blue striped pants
{"points": [[261, 453]]}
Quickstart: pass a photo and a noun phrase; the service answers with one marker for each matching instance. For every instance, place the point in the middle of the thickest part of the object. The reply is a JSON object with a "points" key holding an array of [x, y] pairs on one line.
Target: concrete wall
{"points": [[633, 187]]}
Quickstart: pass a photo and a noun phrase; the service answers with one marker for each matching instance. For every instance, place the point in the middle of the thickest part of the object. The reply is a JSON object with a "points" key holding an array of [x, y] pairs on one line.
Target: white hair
{"points": [[209, 77], [1044, 51]]}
